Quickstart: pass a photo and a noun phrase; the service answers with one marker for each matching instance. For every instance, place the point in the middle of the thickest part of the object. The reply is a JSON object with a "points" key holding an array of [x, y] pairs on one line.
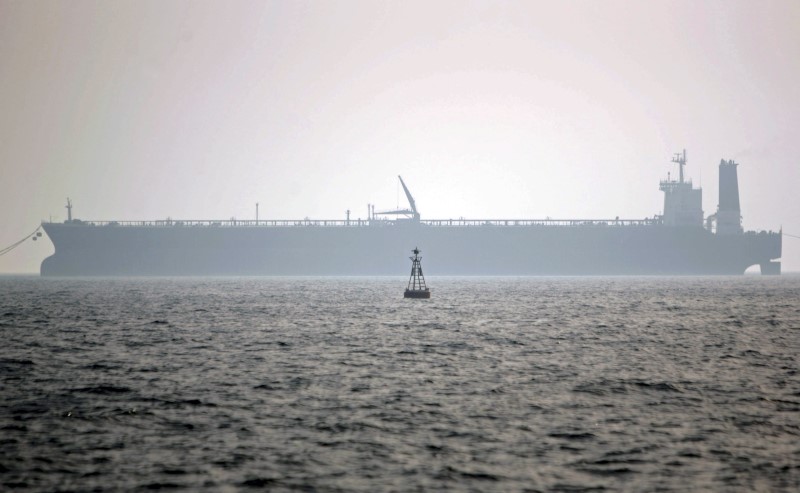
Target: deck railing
{"points": [[356, 223]]}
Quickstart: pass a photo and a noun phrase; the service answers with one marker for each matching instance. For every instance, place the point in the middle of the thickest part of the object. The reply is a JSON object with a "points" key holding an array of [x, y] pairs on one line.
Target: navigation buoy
{"points": [[416, 283]]}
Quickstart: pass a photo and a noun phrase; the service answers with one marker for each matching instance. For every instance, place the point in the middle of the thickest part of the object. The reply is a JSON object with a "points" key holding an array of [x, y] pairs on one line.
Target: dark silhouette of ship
{"points": [[681, 241]]}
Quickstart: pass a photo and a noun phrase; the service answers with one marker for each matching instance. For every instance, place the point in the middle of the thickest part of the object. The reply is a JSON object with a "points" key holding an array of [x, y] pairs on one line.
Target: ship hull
{"points": [[83, 249]]}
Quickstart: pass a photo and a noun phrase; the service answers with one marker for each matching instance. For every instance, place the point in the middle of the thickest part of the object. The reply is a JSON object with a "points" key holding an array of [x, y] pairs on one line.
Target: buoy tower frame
{"points": [[416, 283]]}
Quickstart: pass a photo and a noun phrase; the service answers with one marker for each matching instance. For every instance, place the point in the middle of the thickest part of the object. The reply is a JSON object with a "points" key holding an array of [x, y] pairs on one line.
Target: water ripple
{"points": [[529, 384]]}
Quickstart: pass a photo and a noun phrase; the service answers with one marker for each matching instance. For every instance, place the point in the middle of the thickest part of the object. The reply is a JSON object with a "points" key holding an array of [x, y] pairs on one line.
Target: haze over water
{"points": [[148, 110], [340, 384]]}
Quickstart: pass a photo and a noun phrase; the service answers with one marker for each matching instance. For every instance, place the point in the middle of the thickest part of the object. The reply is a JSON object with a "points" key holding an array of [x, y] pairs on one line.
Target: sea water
{"points": [[341, 384]]}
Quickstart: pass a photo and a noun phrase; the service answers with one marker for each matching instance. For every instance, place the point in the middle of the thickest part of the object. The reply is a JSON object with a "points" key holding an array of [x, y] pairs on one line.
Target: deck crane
{"points": [[411, 213]]}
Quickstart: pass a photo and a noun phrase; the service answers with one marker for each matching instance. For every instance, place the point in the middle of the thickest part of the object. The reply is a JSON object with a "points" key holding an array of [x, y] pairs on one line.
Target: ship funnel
{"points": [[729, 215]]}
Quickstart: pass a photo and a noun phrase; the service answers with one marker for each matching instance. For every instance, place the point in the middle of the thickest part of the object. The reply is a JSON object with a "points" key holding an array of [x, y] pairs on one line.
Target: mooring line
{"points": [[20, 242]]}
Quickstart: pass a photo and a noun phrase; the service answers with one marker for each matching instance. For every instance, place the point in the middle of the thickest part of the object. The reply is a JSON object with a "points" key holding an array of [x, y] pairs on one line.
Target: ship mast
{"points": [[680, 160]]}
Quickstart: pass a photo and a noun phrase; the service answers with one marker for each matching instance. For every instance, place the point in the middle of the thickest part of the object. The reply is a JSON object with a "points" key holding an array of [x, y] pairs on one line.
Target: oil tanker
{"points": [[681, 241]]}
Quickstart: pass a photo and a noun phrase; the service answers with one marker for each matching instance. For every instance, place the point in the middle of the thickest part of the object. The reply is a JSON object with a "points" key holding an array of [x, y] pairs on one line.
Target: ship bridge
{"points": [[683, 204]]}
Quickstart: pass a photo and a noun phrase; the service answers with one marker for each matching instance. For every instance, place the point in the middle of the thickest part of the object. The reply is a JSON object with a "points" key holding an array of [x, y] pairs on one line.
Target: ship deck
{"points": [[339, 223]]}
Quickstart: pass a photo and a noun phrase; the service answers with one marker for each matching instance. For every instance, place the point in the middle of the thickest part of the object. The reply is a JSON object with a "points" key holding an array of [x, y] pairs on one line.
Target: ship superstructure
{"points": [[683, 203], [677, 242]]}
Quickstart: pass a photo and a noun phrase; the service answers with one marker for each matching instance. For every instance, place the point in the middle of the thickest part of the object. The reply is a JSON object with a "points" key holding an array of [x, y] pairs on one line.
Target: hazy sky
{"points": [[198, 110]]}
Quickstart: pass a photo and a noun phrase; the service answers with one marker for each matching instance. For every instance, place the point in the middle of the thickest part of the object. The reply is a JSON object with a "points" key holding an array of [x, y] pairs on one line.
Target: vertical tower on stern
{"points": [[729, 213]]}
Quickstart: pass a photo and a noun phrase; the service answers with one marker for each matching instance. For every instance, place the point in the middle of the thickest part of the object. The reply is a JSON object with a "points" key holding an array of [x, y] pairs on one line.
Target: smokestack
{"points": [[729, 215]]}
